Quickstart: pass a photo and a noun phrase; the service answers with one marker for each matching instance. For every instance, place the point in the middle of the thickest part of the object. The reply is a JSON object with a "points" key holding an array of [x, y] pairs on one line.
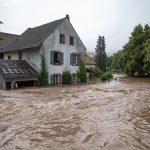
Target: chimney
{"points": [[67, 17]]}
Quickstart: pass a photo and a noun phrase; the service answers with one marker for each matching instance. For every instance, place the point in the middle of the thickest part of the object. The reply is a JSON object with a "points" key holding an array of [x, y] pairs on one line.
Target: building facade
{"points": [[57, 41]]}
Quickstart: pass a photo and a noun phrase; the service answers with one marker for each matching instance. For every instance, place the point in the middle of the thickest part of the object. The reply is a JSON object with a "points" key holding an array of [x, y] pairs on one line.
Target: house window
{"points": [[74, 59], [1, 56], [20, 55], [9, 57], [74, 78], [62, 39], [71, 40], [56, 58], [56, 79]]}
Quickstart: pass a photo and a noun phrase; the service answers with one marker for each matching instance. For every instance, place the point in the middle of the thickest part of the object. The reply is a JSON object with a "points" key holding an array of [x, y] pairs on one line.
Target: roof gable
{"points": [[33, 37]]}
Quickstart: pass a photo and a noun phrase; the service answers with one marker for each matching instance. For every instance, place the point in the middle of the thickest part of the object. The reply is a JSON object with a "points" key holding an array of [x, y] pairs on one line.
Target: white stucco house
{"points": [[57, 41]]}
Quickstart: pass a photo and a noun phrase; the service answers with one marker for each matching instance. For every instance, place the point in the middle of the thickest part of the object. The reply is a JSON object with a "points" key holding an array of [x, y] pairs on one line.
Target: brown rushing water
{"points": [[107, 116]]}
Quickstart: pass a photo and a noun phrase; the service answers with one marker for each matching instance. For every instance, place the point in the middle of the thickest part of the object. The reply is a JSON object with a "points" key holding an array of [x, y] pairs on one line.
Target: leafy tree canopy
{"points": [[135, 56]]}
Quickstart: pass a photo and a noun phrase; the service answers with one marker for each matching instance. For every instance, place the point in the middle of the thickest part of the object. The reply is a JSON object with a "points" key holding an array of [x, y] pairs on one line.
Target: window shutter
{"points": [[78, 58], [52, 57], [61, 58], [60, 79], [52, 79], [71, 59]]}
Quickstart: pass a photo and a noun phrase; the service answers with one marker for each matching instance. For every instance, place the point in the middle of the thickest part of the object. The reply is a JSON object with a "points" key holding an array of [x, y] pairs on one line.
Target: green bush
{"points": [[43, 73], [66, 77], [82, 72], [107, 76], [97, 72]]}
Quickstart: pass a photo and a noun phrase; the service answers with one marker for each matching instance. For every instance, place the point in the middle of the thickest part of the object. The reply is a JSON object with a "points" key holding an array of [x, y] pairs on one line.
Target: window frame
{"points": [[9, 57], [71, 40], [20, 54], [1, 55], [62, 39], [77, 59], [54, 77], [74, 58], [60, 57]]}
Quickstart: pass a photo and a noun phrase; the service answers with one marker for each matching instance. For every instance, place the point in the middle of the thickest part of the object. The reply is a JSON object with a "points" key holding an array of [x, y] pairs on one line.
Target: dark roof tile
{"points": [[6, 38], [33, 37], [11, 69], [89, 60]]}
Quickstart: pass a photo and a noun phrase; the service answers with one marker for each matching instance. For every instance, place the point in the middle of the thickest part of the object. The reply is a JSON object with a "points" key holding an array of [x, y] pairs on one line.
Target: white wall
{"points": [[52, 43], [33, 57], [90, 66], [14, 55]]}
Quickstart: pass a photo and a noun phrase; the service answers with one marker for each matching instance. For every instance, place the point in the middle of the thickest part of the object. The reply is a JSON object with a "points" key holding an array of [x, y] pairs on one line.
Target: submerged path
{"points": [[104, 116]]}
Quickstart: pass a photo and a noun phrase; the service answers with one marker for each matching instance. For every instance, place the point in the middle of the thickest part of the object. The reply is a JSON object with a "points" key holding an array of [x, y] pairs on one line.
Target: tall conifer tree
{"points": [[100, 53]]}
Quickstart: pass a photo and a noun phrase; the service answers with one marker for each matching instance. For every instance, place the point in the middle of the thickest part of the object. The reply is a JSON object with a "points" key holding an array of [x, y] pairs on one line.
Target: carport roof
{"points": [[15, 69]]}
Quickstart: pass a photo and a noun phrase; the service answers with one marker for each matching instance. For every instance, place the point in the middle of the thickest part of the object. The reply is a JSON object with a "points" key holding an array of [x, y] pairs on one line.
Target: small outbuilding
{"points": [[17, 73], [89, 62]]}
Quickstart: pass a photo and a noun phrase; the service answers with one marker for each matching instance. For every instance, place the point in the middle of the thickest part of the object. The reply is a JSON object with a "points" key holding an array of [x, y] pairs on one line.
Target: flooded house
{"points": [[20, 55]]}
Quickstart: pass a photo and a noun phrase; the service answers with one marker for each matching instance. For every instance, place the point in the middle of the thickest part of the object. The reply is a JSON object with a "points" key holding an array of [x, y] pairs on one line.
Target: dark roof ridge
{"points": [[29, 28], [33, 37]]}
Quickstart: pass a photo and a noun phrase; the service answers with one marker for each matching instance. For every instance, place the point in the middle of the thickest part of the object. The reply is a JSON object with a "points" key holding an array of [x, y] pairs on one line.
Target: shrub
{"points": [[82, 72], [43, 73], [97, 72], [107, 76], [66, 77]]}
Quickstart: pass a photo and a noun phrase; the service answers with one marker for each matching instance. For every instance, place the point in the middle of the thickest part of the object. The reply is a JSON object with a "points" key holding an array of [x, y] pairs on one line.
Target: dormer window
{"points": [[71, 40], [62, 39]]}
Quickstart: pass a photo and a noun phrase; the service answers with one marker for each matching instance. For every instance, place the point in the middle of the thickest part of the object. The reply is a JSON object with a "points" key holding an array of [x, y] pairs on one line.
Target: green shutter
{"points": [[52, 57], [71, 62], [79, 58], [52, 79], [61, 58]]}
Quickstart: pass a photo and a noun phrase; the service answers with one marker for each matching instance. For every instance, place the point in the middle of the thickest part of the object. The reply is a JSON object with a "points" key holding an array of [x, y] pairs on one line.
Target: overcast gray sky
{"points": [[115, 19]]}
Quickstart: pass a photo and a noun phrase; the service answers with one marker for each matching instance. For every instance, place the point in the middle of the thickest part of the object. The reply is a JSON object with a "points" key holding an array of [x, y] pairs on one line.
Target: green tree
{"points": [[115, 62], [146, 66], [82, 72], [66, 77], [107, 76], [135, 52], [43, 73], [100, 57], [109, 61]]}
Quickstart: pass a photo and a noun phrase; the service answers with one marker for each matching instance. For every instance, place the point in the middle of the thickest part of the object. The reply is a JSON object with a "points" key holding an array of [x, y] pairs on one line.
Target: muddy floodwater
{"points": [[102, 116]]}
